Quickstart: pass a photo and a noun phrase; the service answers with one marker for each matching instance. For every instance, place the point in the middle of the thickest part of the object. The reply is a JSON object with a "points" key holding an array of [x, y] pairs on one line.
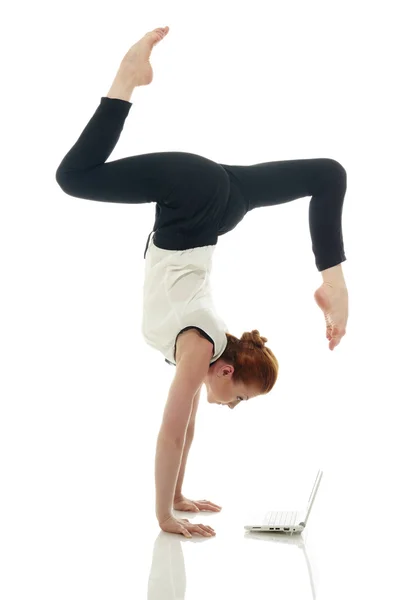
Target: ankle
{"points": [[123, 85], [334, 276]]}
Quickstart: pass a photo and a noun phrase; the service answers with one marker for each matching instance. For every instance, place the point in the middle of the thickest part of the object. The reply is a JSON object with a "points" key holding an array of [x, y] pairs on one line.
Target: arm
{"points": [[188, 443], [190, 373], [168, 458]]}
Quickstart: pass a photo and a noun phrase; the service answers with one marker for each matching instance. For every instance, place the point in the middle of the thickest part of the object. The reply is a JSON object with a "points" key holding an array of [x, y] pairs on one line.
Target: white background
{"points": [[82, 395]]}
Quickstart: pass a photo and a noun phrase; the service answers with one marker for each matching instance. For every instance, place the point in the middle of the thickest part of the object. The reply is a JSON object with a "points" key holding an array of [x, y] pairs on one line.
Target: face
{"points": [[222, 390]]}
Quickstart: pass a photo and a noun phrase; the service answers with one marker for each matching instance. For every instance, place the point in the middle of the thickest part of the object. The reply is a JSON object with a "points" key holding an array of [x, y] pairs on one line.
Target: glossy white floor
{"points": [[77, 509]]}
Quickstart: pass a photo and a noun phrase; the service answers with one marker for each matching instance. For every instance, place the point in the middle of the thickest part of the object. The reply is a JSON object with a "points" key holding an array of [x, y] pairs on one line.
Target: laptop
{"points": [[287, 521]]}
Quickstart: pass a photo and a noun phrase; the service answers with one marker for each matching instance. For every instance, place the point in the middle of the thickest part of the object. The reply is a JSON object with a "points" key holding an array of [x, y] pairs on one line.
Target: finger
{"points": [[203, 530], [205, 506], [211, 530], [207, 503], [208, 532], [208, 528], [212, 504], [186, 533]]}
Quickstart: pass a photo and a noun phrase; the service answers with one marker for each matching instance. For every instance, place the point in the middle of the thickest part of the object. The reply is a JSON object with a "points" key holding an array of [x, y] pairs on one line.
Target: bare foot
{"points": [[137, 59], [334, 303]]}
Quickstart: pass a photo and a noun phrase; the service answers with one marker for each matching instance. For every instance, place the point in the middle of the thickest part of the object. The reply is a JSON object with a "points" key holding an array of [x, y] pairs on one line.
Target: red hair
{"points": [[254, 363]]}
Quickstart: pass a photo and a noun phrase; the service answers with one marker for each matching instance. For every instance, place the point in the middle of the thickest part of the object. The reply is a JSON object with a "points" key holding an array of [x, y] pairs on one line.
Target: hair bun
{"points": [[258, 340], [255, 338]]}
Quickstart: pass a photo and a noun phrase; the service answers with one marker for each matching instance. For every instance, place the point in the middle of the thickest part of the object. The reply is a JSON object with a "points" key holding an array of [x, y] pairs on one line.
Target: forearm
{"points": [[168, 459], [181, 475]]}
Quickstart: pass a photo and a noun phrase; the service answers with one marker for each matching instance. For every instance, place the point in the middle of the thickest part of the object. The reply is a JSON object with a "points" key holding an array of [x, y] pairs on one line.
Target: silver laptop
{"points": [[288, 521]]}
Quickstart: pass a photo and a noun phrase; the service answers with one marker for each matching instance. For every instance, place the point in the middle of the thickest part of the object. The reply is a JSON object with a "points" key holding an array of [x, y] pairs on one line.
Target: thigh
{"points": [[167, 178], [271, 183]]}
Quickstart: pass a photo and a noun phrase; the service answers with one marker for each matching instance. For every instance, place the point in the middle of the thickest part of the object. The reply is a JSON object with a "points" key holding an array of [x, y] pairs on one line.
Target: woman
{"points": [[198, 200]]}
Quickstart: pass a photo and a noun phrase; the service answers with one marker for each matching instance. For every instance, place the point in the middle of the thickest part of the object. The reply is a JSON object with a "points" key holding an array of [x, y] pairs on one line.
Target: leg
{"points": [[144, 178], [83, 172], [271, 183], [183, 185]]}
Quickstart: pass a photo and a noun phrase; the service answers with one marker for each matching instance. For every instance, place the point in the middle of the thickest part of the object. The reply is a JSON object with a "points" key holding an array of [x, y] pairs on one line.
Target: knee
{"points": [[60, 177], [64, 180], [335, 172]]}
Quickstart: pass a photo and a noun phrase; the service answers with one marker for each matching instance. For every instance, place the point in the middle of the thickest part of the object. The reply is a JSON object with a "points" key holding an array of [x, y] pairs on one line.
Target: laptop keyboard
{"points": [[284, 519]]}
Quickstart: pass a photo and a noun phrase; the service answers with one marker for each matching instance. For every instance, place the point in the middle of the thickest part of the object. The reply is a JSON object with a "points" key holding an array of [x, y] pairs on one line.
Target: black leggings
{"points": [[197, 199]]}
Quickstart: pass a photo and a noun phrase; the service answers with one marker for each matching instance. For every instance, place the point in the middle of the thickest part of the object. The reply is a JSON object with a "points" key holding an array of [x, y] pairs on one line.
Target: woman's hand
{"points": [[333, 300], [182, 503], [184, 527]]}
